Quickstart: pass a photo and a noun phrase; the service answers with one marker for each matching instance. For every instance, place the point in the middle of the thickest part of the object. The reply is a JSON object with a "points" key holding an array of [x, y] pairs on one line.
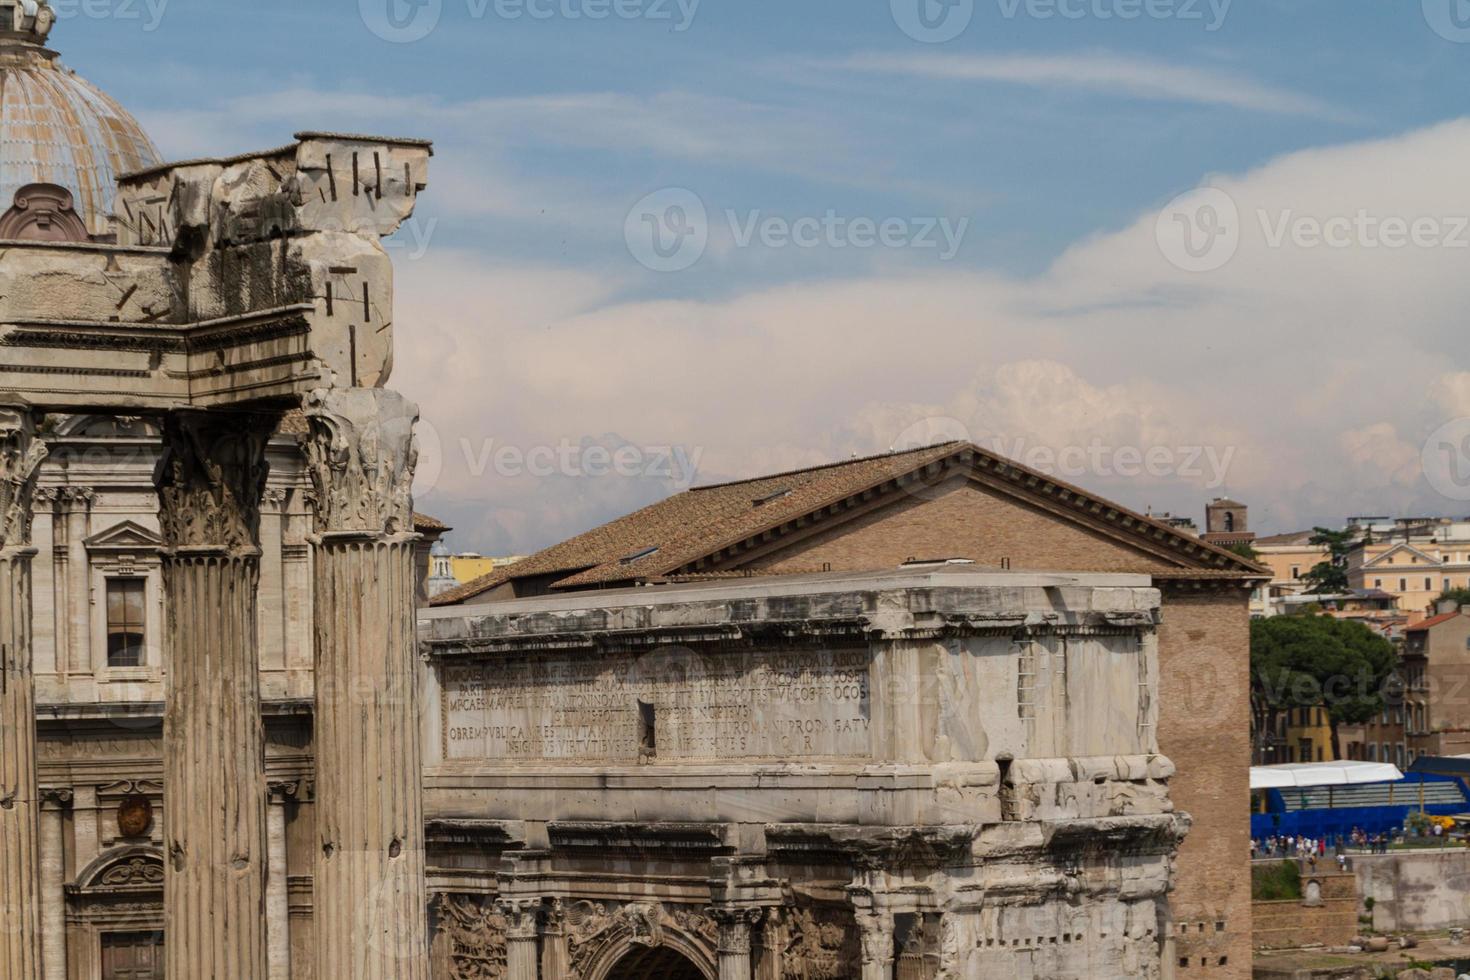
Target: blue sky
{"points": [[1045, 144]]}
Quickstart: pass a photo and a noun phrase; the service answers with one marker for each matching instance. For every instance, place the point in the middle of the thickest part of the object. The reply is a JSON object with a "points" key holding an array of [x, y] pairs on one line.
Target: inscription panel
{"points": [[659, 707]]}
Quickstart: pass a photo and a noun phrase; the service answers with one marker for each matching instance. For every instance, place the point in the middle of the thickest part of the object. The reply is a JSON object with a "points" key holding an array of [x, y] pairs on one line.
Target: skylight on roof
{"points": [[772, 497], [630, 559]]}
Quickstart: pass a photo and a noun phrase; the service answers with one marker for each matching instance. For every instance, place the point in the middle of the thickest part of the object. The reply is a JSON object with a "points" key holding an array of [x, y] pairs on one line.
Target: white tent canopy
{"points": [[1303, 774]]}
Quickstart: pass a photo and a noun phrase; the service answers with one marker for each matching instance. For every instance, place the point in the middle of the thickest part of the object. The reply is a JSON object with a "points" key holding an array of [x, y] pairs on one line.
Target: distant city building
{"points": [[1436, 670], [1413, 559], [468, 566], [1227, 523], [1290, 557]]}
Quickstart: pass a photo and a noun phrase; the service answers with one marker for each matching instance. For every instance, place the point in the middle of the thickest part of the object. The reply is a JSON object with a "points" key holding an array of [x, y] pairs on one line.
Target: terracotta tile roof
{"points": [[1433, 621], [671, 536], [423, 522], [1303, 538]]}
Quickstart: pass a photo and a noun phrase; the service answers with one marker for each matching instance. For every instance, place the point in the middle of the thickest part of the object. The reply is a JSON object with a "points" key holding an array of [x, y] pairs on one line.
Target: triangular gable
{"points": [[126, 536], [1400, 549], [725, 546]]}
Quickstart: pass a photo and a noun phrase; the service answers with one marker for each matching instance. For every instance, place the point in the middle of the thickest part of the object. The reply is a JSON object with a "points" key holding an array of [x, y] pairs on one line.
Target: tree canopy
{"points": [[1311, 661], [1330, 576]]}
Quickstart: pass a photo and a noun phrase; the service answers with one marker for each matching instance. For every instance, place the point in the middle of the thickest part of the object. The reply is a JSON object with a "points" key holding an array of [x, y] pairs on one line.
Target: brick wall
{"points": [[965, 522], [1204, 727]]}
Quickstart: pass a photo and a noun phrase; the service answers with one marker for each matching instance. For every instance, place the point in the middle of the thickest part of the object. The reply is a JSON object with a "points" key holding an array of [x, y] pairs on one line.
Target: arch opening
{"points": [[655, 963]]}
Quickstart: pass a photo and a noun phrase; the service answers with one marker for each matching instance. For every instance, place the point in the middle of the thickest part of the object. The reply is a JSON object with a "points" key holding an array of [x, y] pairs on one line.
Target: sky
{"points": [[1166, 249]]}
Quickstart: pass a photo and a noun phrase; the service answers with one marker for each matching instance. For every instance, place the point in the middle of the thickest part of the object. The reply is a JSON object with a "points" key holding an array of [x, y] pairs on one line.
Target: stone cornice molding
{"points": [[210, 481], [21, 453], [361, 455]]}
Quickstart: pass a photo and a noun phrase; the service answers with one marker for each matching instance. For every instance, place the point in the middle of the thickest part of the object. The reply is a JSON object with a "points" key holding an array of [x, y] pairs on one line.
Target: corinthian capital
{"points": [[211, 478], [21, 453], [361, 455]]}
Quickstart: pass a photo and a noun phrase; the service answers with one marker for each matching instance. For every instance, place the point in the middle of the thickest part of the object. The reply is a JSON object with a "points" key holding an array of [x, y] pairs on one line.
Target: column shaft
{"points": [[20, 801], [209, 484], [213, 772], [53, 886], [369, 894], [20, 856], [277, 897], [371, 905]]}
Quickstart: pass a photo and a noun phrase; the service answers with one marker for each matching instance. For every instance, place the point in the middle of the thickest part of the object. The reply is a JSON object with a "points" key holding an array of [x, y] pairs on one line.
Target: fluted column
{"points": [[370, 899], [522, 932], [734, 947], [21, 453], [556, 954], [209, 486]]}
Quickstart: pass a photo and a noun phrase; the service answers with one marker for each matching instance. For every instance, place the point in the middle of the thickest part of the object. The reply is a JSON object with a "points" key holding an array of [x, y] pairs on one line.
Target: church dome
{"points": [[56, 127]]}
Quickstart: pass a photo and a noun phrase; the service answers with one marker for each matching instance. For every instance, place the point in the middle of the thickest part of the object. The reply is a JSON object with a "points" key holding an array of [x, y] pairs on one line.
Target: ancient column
{"points": [[21, 453], [209, 485], [370, 900], [522, 930], [53, 882], [734, 946], [877, 929], [277, 894], [556, 953]]}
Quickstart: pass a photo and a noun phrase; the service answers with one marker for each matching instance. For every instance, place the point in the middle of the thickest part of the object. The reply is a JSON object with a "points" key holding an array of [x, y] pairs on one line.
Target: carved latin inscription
{"points": [[807, 704]]}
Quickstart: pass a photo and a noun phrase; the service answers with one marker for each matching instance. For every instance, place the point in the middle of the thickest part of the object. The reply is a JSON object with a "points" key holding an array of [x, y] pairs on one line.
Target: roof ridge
{"points": [[891, 454]]}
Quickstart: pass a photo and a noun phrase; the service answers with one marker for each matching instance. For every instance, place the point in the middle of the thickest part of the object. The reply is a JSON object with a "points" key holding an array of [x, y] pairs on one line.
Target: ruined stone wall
{"points": [[1416, 890], [1326, 914]]}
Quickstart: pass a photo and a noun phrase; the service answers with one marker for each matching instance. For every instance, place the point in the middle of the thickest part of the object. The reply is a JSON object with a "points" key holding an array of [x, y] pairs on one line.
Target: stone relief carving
{"points": [[21, 453], [361, 455], [211, 478], [820, 944], [473, 932], [135, 871], [591, 927]]}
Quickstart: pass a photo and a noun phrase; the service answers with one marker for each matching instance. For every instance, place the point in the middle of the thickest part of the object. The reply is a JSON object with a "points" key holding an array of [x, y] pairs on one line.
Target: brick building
{"points": [[959, 501]]}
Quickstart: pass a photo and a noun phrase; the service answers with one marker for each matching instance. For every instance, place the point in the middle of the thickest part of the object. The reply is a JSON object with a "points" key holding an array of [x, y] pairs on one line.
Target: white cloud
{"points": [[1323, 369], [1100, 74]]}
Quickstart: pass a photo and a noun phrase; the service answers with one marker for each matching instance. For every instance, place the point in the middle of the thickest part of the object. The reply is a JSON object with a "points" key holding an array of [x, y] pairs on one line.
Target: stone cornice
{"points": [[796, 609]]}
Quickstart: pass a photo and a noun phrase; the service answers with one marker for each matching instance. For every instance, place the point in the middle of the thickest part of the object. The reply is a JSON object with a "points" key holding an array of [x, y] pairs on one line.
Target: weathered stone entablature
{"points": [[231, 282], [929, 773]]}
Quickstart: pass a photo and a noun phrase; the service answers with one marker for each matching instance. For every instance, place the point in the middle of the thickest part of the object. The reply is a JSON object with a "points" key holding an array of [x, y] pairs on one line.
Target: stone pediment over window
{"points": [[108, 427], [131, 868], [127, 536]]}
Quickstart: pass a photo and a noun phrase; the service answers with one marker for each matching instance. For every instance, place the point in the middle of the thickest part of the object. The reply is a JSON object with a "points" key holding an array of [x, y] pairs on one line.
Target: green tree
{"points": [[1307, 661], [1330, 577], [1244, 550], [1460, 597]]}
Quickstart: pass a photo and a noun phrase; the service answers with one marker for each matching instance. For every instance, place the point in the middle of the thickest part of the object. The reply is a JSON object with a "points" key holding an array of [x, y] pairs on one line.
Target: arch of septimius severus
{"points": [[231, 747]]}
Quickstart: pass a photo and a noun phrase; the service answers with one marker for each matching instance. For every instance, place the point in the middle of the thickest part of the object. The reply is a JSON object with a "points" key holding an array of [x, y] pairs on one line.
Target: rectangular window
{"points": [[1378, 583], [1403, 585], [1429, 585], [125, 621], [1296, 571], [647, 730]]}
